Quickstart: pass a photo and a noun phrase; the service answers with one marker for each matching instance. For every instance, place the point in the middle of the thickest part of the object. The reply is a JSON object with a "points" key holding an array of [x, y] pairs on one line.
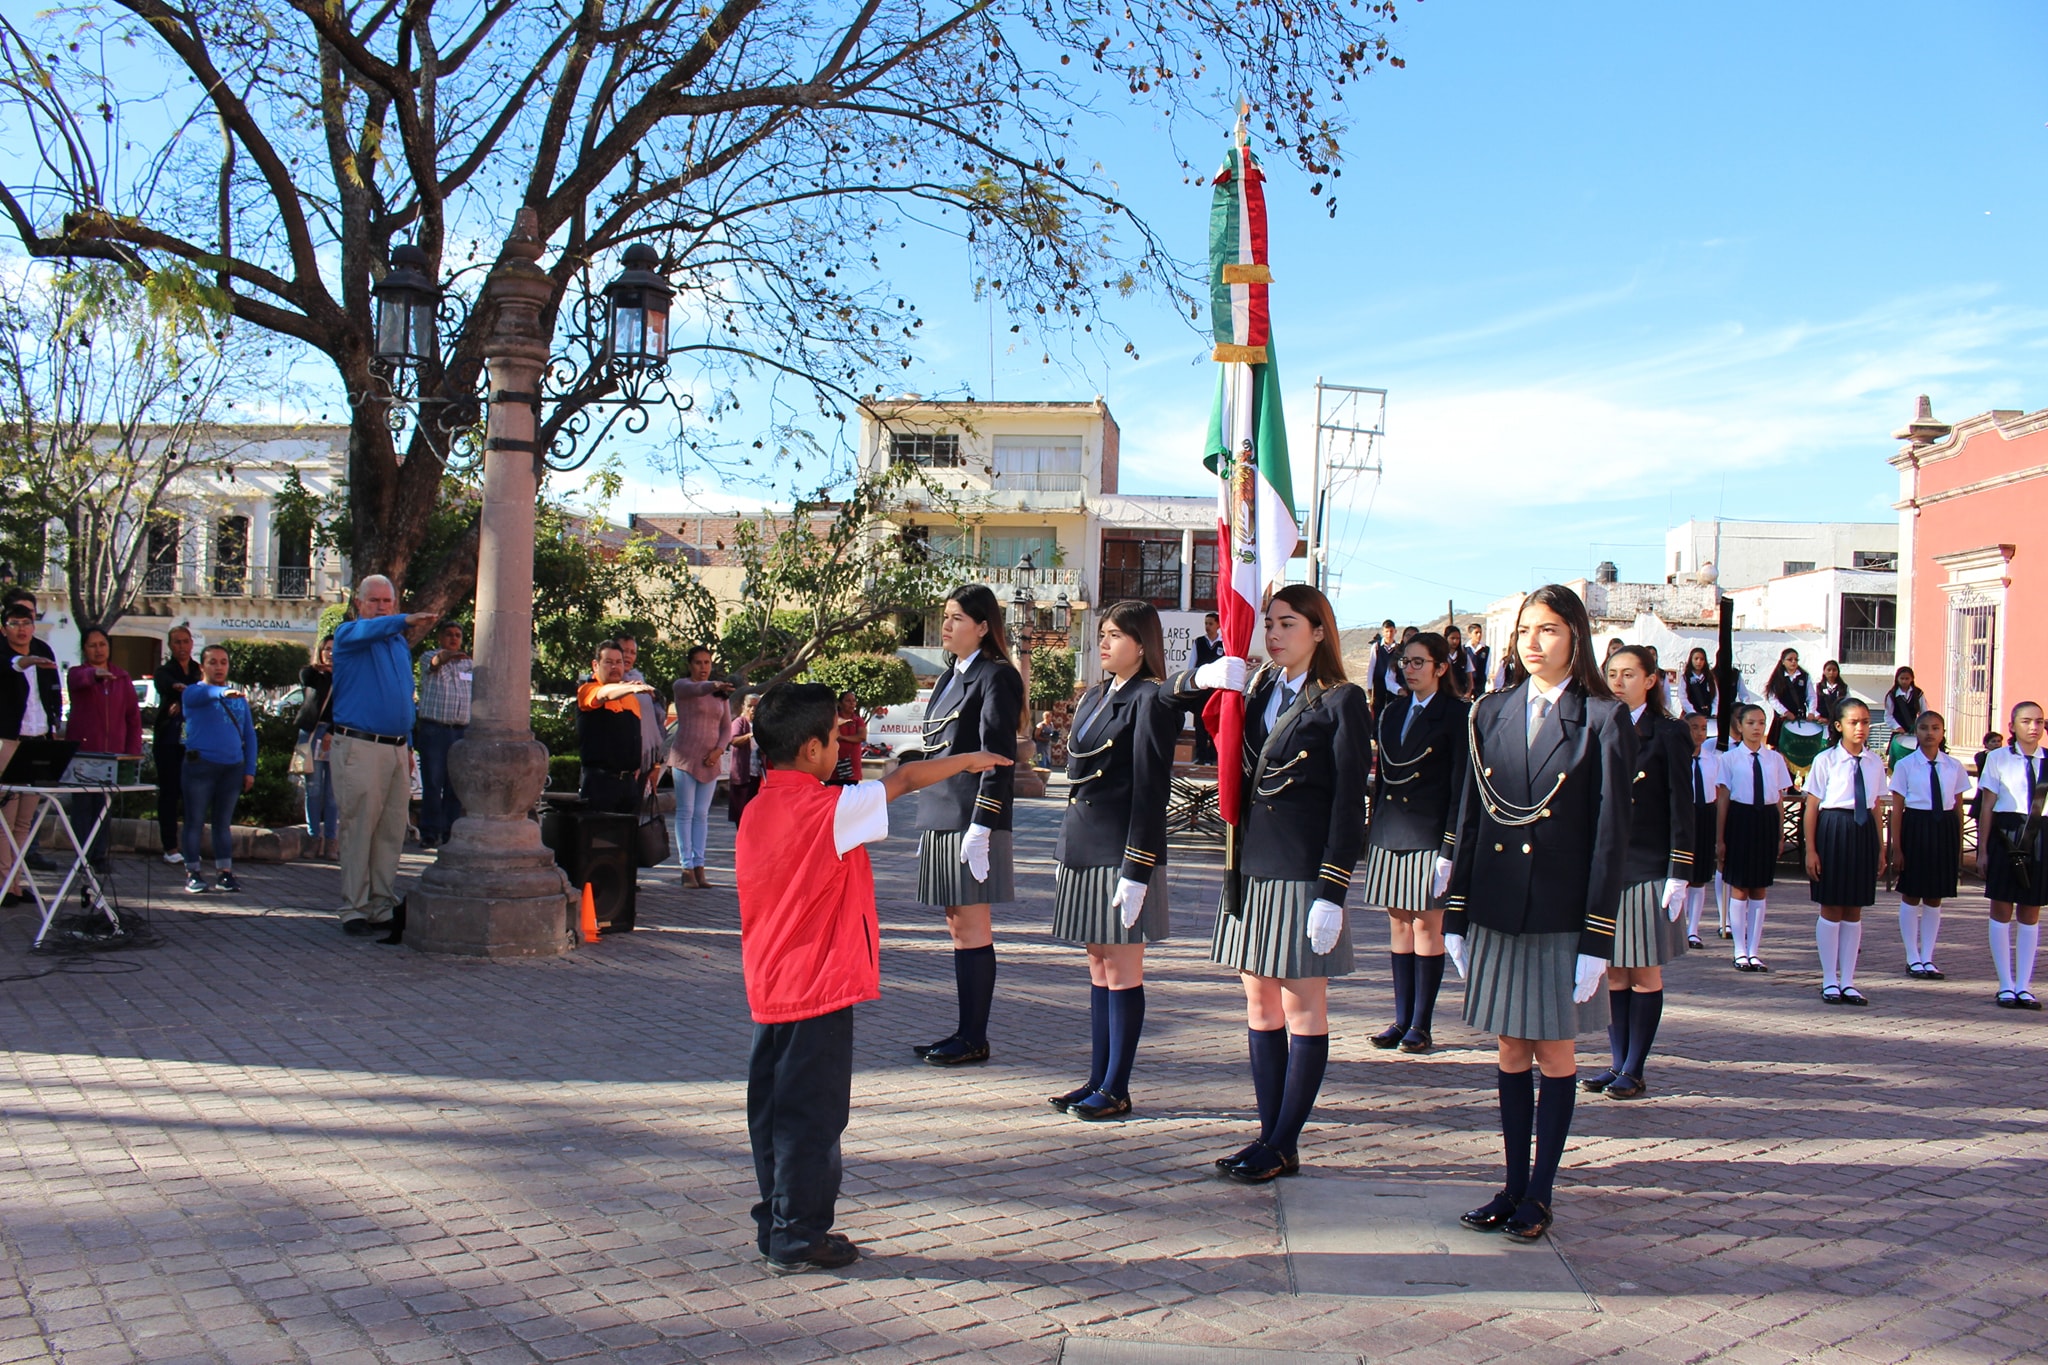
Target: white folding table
{"points": [[54, 799]]}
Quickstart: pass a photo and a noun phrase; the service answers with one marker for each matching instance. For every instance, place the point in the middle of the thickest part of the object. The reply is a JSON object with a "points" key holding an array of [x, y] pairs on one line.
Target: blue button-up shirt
{"points": [[373, 676]]}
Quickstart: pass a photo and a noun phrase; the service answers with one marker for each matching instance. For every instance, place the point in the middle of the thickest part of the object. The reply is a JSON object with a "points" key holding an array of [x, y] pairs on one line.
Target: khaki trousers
{"points": [[18, 812], [372, 784]]}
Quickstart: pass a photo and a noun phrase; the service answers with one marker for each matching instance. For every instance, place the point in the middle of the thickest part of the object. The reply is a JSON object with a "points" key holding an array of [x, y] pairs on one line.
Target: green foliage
{"points": [[555, 726], [296, 511], [876, 679], [1052, 676], [265, 663], [586, 591], [275, 800], [331, 617], [565, 772]]}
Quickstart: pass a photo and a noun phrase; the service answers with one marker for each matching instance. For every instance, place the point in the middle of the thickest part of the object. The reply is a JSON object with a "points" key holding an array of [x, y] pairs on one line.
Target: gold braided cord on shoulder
{"points": [[1510, 814]]}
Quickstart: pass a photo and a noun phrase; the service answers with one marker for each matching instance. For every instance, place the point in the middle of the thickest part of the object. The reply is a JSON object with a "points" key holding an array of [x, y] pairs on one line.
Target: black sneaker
{"points": [[195, 885], [226, 882], [834, 1253]]}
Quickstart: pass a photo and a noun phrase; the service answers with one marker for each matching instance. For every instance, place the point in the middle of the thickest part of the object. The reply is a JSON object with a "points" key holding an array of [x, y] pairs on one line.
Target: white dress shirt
{"points": [[1832, 779], [2005, 773], [1706, 764], [1909, 781], [1738, 774]]}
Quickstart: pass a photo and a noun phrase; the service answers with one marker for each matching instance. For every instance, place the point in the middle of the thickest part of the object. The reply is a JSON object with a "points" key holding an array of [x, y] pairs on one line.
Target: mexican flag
{"points": [[1247, 445]]}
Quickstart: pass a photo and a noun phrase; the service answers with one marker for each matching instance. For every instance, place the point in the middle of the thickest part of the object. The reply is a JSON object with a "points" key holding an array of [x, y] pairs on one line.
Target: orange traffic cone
{"points": [[588, 917]]}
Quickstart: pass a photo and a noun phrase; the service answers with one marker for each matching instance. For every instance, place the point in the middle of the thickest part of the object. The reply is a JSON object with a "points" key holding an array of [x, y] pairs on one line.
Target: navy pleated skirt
{"points": [[2002, 880], [1931, 843], [1752, 842], [1705, 828], [1848, 859]]}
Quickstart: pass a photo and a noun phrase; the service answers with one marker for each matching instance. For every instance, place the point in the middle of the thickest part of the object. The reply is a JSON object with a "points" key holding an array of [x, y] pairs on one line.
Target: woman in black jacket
{"points": [[1663, 827], [963, 856], [1111, 895], [1543, 831], [1700, 691], [1300, 829], [1411, 832]]}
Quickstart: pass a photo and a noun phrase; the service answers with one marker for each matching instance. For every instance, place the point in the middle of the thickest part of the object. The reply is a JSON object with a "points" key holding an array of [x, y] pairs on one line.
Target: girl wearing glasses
{"points": [[1410, 838]]}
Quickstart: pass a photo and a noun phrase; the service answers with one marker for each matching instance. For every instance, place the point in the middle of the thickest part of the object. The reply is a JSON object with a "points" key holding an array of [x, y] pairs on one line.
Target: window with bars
{"points": [[926, 449], [231, 556], [1887, 560], [1146, 568], [1869, 628], [160, 565], [1203, 584]]}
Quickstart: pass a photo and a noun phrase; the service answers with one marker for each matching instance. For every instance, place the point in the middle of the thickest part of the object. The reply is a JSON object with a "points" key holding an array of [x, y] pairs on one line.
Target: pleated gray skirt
{"points": [[1398, 879], [1520, 986], [1269, 937], [1081, 912], [1644, 934], [943, 880]]}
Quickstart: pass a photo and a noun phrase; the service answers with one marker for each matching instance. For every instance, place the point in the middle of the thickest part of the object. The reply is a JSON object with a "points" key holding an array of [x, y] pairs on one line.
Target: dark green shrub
{"points": [[876, 679], [265, 663]]}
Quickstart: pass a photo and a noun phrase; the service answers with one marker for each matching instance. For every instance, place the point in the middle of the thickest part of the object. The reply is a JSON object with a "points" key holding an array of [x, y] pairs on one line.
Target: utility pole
{"points": [[1350, 422]]}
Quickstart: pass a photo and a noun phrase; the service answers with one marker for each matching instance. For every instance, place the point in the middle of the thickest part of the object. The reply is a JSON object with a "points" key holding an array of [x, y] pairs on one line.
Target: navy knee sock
{"points": [[1269, 1073], [1553, 1126], [1617, 1028], [974, 977], [1645, 1009], [1404, 988], [1429, 979], [1126, 1023], [1517, 1121], [1307, 1058], [1098, 1036]]}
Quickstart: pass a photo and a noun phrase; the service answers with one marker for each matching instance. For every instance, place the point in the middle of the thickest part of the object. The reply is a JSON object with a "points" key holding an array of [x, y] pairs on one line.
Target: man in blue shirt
{"points": [[372, 717]]}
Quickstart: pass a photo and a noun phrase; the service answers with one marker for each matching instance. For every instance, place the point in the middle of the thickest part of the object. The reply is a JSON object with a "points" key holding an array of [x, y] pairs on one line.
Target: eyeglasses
{"points": [[1417, 663]]}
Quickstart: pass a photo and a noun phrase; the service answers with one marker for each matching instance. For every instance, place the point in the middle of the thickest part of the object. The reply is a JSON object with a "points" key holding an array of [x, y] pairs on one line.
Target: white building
{"points": [[1744, 554], [217, 562], [1041, 479]]}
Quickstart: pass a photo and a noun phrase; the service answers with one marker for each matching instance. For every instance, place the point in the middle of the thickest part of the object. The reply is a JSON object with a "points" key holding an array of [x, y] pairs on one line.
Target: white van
{"points": [[900, 728]]}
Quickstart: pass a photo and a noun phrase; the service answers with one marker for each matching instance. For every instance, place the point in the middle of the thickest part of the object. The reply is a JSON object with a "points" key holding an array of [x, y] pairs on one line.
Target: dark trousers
{"points": [[170, 790], [609, 793], [439, 806], [1205, 743], [799, 1088], [211, 791]]}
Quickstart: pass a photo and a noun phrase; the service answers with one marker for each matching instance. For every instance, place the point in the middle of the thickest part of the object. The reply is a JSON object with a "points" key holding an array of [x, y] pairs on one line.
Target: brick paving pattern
{"points": [[264, 1141]]}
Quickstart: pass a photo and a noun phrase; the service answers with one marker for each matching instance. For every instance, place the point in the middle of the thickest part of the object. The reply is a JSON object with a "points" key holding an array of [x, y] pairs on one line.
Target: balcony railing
{"points": [[1869, 644], [160, 580], [294, 580], [1037, 482], [1046, 583], [287, 581], [230, 580]]}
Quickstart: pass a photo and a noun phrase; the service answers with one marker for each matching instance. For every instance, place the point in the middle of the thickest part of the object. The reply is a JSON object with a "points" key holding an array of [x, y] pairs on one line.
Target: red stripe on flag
{"points": [[1260, 326]]}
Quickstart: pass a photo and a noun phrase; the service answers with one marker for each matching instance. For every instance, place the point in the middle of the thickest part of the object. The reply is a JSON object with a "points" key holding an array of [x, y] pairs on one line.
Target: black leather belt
{"points": [[626, 775], [366, 734]]}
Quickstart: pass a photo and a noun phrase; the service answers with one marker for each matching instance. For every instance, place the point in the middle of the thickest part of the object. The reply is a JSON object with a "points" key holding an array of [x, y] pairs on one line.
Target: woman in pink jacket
{"points": [[703, 733], [105, 719]]}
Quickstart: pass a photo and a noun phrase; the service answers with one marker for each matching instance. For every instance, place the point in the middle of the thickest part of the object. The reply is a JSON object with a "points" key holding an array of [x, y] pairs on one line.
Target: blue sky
{"points": [[1618, 264]]}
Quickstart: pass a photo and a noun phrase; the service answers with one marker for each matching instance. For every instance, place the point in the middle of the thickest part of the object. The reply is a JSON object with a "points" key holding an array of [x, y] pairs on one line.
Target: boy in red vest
{"points": [[809, 947]]}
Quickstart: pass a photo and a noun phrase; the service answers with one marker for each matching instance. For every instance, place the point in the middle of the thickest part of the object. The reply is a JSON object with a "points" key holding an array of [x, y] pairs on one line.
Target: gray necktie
{"points": [[1408, 721], [1537, 713]]}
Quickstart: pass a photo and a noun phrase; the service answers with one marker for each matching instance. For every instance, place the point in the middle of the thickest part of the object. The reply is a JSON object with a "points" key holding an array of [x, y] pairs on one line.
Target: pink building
{"points": [[1973, 562]]}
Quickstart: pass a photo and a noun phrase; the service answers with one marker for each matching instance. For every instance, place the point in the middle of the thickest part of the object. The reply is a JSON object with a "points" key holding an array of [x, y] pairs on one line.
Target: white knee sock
{"points": [[2001, 953], [1757, 908], [1695, 901], [1721, 898], [2026, 940], [1738, 915], [1909, 930], [1851, 946], [1930, 930], [1827, 935]]}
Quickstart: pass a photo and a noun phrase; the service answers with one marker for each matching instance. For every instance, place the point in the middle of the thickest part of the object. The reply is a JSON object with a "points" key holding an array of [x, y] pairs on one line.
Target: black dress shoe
{"points": [[1389, 1037], [1596, 1083], [1930, 972], [922, 1049], [1262, 1165], [1065, 1102], [1530, 1222], [2027, 1001], [1852, 996], [358, 928], [834, 1253], [1099, 1106], [957, 1053], [1692, 941], [1491, 1217], [1224, 1163], [1625, 1087], [1415, 1041]]}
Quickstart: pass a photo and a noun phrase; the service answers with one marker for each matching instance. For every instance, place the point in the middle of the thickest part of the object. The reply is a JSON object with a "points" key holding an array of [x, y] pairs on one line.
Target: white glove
{"points": [[1325, 922], [1130, 899], [1442, 882], [1674, 897], [1224, 675], [1454, 949], [1592, 971], [974, 851]]}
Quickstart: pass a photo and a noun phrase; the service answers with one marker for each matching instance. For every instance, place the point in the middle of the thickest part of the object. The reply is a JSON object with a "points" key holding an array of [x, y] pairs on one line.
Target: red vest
{"points": [[809, 939]]}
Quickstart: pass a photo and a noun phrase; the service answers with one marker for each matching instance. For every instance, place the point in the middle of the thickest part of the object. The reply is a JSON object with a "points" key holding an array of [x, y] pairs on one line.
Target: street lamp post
{"points": [[1023, 614], [495, 890]]}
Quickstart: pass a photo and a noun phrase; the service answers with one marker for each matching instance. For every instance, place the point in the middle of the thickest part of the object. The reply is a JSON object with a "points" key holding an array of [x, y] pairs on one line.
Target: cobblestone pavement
{"points": [[264, 1141]]}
